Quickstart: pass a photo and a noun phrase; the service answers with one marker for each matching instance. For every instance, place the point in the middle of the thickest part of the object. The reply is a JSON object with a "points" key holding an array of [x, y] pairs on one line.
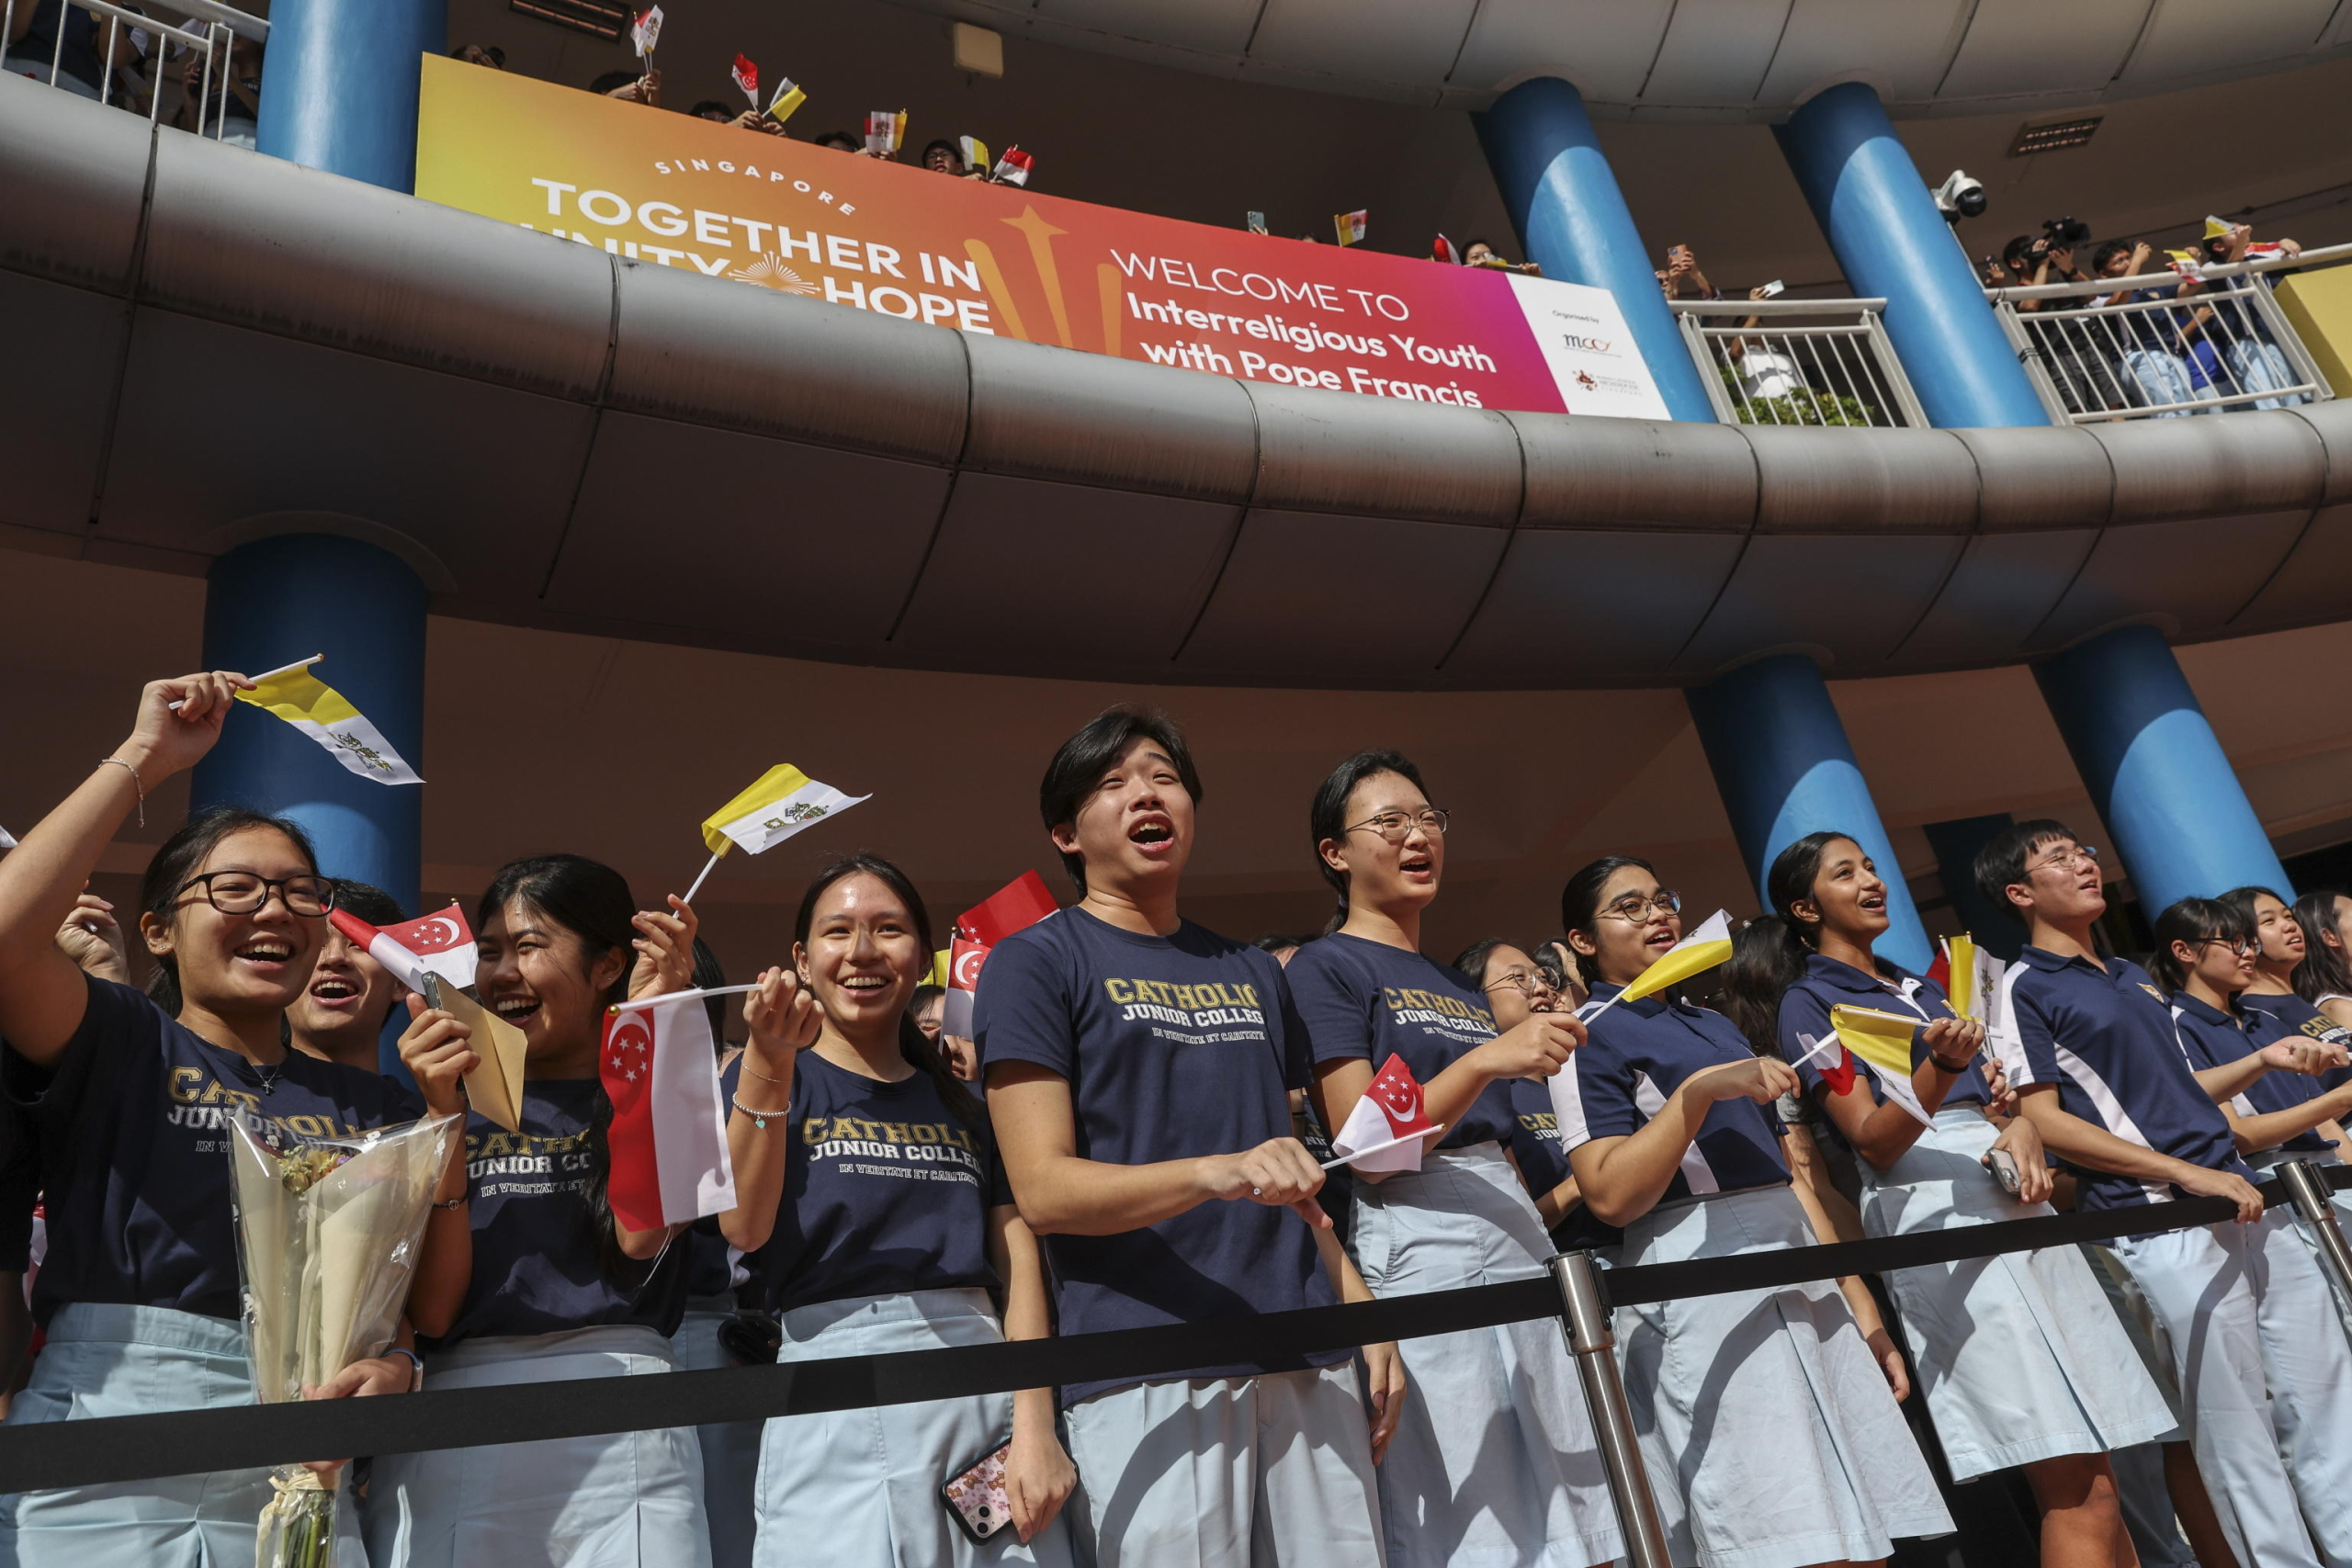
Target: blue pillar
{"points": [[1573, 221], [1955, 844], [1785, 768], [282, 599], [1881, 221], [338, 86], [2160, 781]]}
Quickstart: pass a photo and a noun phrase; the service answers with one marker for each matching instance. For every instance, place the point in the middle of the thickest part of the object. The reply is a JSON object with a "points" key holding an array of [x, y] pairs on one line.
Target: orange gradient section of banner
{"points": [[667, 189]]}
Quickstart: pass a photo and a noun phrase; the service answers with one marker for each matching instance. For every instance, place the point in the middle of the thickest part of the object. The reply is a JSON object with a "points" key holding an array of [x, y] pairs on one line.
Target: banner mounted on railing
{"points": [[730, 204]]}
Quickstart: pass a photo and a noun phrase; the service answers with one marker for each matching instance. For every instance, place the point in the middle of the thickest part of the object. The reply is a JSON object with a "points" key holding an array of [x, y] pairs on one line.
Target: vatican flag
{"points": [[1694, 955], [326, 716], [1881, 1041], [783, 801]]}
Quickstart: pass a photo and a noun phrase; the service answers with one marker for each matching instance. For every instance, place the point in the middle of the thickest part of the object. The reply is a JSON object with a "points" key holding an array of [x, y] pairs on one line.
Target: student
{"points": [[1495, 1461], [868, 1186], [340, 1015], [2324, 977], [1136, 1068], [2022, 1362], [131, 1097], [929, 1009], [1517, 987], [2275, 1010], [558, 1288], [1764, 1405], [2088, 1042]]}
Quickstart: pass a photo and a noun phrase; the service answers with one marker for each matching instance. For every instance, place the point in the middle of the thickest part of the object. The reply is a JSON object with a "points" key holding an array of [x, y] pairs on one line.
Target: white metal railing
{"points": [[1798, 362], [211, 29], [2226, 346]]}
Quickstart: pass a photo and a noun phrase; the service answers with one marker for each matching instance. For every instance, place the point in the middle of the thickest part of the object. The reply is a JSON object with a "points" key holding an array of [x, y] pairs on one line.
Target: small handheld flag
{"points": [[973, 150], [1389, 1127], [747, 78], [1444, 250], [1352, 225], [789, 97], [8, 839], [326, 716], [1695, 954], [1883, 1041], [1840, 1076], [1017, 905], [668, 1137], [781, 802], [645, 31], [1257, 222], [1015, 167], [441, 943], [885, 130]]}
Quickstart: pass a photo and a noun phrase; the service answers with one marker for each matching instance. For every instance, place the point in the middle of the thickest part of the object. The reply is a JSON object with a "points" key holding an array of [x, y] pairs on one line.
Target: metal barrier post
{"points": [[1593, 1345], [2306, 1183]]}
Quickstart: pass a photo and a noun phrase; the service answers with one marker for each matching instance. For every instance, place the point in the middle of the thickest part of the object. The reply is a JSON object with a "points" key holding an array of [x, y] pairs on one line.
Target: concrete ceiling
{"points": [[1707, 60]]}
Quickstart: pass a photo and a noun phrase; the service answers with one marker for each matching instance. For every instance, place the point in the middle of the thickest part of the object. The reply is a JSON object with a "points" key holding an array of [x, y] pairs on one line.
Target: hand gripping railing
{"points": [[2229, 346], [113, 1449], [1825, 362]]}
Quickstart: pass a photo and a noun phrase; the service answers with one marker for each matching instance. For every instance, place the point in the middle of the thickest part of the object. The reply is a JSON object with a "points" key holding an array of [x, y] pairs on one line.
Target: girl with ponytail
{"points": [[2023, 1361], [868, 1189], [557, 1289], [1493, 1461]]}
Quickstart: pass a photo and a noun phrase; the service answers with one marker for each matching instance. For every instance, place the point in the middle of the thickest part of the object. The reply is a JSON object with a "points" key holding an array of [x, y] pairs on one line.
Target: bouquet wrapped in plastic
{"points": [[328, 1232]]}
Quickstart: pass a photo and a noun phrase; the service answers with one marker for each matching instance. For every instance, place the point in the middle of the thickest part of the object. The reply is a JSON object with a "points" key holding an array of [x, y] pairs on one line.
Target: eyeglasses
{"points": [[1397, 826], [1633, 908], [243, 893], [2066, 859], [1525, 984], [2243, 949]]}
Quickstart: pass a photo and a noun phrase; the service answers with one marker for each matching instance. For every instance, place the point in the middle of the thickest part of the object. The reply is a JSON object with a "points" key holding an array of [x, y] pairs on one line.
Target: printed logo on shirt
{"points": [[2156, 993], [2324, 1029], [1193, 1015], [1434, 1012], [917, 1151], [204, 1104], [495, 1159], [1540, 1123]]}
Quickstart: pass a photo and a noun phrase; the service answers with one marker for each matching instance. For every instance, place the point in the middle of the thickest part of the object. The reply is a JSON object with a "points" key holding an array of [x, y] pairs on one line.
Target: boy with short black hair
{"points": [[2088, 1044], [1137, 1068]]}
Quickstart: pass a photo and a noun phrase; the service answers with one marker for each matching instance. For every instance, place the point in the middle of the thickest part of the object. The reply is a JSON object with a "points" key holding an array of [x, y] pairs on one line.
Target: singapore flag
{"points": [[668, 1137], [1389, 1126], [1017, 905], [441, 943]]}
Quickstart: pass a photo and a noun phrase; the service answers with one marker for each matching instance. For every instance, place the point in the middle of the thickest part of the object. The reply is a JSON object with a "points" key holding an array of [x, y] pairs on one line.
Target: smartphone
{"points": [[2003, 1167], [976, 1498]]}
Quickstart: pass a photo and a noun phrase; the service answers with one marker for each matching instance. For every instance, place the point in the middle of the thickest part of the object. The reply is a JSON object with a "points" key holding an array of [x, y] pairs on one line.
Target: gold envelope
{"points": [[494, 1088]]}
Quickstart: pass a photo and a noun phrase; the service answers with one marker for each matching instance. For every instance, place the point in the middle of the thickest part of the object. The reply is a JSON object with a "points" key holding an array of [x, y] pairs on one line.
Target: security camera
{"points": [[1962, 196]]}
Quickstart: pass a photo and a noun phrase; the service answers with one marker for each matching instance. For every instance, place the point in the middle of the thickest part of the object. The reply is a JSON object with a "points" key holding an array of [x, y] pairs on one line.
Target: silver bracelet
{"points": [[135, 785]]}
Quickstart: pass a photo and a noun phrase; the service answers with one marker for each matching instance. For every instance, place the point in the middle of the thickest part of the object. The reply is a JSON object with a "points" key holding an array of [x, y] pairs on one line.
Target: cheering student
{"points": [[1518, 987], [2324, 977], [1494, 1461], [2090, 1045], [867, 1185], [2021, 1359], [1764, 1404], [131, 1097], [558, 1288], [2275, 1010], [1136, 1067], [340, 1015]]}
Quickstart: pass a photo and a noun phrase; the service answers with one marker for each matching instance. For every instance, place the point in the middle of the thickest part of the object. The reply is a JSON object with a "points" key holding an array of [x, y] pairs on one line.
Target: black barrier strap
{"points": [[134, 1447]]}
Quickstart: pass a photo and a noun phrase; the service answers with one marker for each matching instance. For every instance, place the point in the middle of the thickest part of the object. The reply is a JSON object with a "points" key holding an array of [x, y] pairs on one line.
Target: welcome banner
{"points": [[732, 204]]}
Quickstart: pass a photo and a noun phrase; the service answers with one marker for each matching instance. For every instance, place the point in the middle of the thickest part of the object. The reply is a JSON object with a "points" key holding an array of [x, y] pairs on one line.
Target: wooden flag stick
{"points": [[704, 876]]}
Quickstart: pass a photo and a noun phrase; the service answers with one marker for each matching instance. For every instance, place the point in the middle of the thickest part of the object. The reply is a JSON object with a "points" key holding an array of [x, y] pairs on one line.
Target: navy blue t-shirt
{"points": [[1827, 983], [1638, 1054], [20, 1186], [2211, 1038], [2104, 1035], [2269, 1019], [1543, 1164], [886, 1191], [1369, 1001], [538, 1267], [133, 1130], [1175, 1047]]}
